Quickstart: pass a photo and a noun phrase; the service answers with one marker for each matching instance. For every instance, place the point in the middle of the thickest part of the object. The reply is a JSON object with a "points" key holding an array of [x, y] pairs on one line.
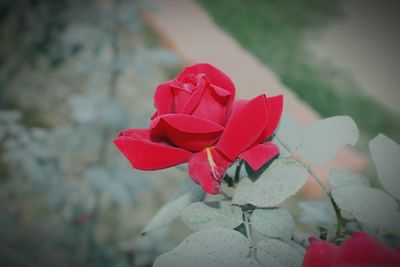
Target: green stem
{"points": [[247, 226], [237, 171], [246, 217], [339, 217]]}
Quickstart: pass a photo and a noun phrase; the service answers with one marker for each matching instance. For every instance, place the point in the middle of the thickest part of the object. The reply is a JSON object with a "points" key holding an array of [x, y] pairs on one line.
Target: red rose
{"points": [[197, 122], [359, 250]]}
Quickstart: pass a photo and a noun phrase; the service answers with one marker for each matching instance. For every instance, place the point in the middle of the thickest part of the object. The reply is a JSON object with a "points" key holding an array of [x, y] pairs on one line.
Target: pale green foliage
{"points": [[289, 132], [216, 247], [272, 228], [183, 198], [372, 207], [200, 215], [339, 178], [275, 223], [221, 247], [271, 252], [280, 181], [317, 143], [386, 155], [324, 138]]}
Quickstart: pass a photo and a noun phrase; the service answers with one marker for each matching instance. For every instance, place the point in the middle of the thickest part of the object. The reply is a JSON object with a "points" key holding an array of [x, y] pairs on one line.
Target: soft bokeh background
{"points": [[73, 73]]}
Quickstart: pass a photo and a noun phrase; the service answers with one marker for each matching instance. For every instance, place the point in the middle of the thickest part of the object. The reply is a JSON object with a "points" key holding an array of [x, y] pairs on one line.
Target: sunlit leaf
{"points": [[386, 155], [339, 178], [219, 247], [289, 133], [370, 206], [200, 215], [275, 223], [280, 181], [324, 138], [183, 198], [272, 252], [216, 247]]}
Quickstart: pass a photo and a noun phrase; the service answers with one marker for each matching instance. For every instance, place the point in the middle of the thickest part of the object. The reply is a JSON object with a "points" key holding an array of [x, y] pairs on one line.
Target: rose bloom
{"points": [[359, 250], [197, 121]]}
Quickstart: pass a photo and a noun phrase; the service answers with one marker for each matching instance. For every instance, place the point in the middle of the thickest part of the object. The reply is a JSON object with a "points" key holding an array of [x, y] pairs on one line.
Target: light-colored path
{"points": [[366, 43], [191, 32]]}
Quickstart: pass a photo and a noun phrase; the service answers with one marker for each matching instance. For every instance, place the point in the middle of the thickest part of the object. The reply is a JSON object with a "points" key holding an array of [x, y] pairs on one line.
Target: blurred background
{"points": [[74, 73]]}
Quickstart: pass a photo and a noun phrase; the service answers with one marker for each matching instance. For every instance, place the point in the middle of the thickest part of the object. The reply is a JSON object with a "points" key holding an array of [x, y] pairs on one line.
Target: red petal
{"points": [[181, 98], [146, 155], [221, 91], [243, 128], [164, 98], [274, 107], [207, 176], [188, 132], [214, 75], [260, 154], [194, 101], [236, 106], [320, 253], [212, 106], [360, 248]]}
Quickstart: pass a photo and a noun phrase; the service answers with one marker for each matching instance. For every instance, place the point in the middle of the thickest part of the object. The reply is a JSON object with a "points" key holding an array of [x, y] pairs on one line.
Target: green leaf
{"points": [[339, 178], [289, 132], [324, 138], [275, 223], [202, 215], [220, 247], [280, 181], [272, 252], [183, 198], [370, 206], [386, 155], [216, 247]]}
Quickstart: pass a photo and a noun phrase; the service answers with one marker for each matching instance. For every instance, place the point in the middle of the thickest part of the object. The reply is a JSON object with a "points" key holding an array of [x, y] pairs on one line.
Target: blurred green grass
{"points": [[275, 31]]}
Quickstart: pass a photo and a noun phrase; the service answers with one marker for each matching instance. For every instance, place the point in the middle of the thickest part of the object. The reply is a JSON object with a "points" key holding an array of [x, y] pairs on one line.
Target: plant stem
{"points": [[247, 226], [339, 217], [246, 217], [237, 171]]}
